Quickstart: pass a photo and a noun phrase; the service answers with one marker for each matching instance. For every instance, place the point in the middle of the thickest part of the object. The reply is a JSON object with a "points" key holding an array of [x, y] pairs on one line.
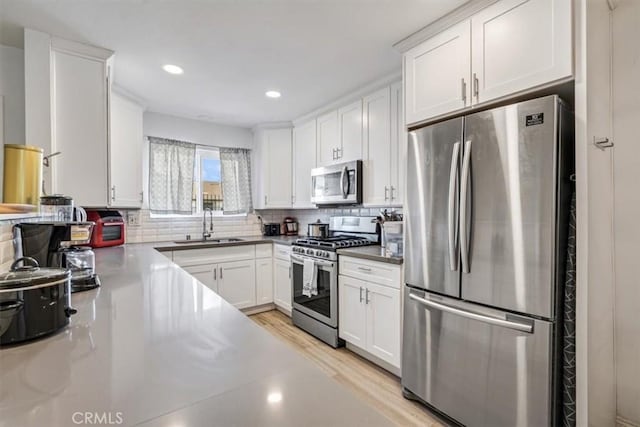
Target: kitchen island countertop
{"points": [[155, 347]]}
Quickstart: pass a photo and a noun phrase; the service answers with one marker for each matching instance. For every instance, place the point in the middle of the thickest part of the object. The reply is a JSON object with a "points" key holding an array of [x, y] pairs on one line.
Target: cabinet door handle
{"points": [[220, 273], [215, 274], [392, 189], [113, 193], [368, 270], [333, 153], [141, 196], [360, 293], [339, 152], [265, 200], [289, 272], [464, 90], [366, 296], [476, 85], [386, 193]]}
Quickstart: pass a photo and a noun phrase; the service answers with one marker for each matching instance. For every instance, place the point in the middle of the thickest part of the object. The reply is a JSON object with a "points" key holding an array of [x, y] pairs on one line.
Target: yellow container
{"points": [[22, 174]]}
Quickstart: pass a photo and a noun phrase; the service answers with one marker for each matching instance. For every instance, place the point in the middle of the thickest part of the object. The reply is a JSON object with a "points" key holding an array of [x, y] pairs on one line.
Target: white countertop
{"points": [[153, 346]]}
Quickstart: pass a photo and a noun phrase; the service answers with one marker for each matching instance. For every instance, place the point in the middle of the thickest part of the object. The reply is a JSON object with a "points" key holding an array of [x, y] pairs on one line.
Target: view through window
{"points": [[207, 180]]}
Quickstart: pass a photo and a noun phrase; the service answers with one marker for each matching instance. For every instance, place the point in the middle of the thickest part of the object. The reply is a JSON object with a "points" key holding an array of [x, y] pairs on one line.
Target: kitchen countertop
{"points": [[154, 347], [250, 240], [373, 253]]}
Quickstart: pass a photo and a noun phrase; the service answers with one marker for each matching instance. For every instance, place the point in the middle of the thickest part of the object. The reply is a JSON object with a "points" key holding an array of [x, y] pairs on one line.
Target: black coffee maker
{"points": [[59, 245]]}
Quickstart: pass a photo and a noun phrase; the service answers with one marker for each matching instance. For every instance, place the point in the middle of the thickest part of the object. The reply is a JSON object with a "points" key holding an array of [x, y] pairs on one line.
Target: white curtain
{"points": [[171, 176], [235, 166]]}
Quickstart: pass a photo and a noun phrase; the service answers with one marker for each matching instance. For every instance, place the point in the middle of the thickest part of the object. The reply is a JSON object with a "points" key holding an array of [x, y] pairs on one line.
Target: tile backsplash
{"points": [[158, 229], [307, 216], [6, 241]]}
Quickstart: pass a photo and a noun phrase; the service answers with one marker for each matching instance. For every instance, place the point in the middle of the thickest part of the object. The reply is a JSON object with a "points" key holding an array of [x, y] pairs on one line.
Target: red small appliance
{"points": [[109, 228]]}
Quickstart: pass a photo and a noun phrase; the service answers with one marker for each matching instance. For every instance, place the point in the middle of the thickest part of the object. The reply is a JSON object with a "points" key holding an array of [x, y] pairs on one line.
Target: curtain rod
{"points": [[195, 143]]}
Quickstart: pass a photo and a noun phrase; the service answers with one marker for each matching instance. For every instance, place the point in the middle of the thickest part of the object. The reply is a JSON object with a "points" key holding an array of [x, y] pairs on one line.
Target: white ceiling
{"points": [[232, 51]]}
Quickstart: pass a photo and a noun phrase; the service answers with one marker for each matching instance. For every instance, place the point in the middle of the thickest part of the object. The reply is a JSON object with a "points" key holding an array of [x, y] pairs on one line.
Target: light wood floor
{"points": [[372, 384]]}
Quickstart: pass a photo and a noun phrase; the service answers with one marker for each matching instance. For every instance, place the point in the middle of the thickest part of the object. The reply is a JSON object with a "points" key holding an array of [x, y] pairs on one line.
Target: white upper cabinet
{"points": [[339, 135], [399, 142], [377, 147], [125, 154], [327, 138], [304, 159], [350, 131], [437, 74], [520, 44], [505, 49], [276, 166], [79, 126]]}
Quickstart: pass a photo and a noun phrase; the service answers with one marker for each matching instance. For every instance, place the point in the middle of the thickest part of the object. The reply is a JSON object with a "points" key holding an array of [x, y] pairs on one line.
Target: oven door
{"points": [[324, 306]]}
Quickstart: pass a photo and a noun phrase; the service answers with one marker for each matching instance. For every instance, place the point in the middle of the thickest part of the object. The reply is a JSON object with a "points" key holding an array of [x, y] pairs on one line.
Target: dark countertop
{"points": [[373, 253], [153, 346], [250, 240]]}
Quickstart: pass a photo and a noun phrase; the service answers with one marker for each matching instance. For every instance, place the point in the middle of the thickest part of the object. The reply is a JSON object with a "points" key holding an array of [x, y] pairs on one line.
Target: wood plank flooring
{"points": [[372, 384]]}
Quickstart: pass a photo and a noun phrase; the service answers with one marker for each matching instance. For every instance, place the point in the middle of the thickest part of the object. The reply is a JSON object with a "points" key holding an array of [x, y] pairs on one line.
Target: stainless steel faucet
{"points": [[206, 234]]}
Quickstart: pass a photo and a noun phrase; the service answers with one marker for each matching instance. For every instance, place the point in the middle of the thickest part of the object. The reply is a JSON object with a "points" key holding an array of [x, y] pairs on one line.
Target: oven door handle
{"points": [[301, 259]]}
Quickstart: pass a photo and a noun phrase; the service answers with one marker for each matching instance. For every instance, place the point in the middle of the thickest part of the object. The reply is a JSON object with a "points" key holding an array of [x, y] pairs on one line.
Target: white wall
{"points": [[626, 153], [12, 88], [596, 403], [196, 131]]}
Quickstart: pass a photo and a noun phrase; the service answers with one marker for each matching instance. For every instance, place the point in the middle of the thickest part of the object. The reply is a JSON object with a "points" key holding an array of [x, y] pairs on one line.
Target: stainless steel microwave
{"points": [[339, 184]]}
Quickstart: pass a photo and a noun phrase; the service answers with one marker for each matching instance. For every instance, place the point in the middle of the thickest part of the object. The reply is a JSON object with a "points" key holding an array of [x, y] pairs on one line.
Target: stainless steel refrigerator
{"points": [[486, 216]]}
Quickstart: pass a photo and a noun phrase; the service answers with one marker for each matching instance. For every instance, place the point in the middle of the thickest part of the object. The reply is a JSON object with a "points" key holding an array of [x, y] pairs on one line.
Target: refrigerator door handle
{"points": [[452, 213], [518, 326], [464, 189]]}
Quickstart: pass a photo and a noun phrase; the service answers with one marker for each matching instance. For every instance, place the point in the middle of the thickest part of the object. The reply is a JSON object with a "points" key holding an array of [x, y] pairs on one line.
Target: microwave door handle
{"points": [[345, 182]]}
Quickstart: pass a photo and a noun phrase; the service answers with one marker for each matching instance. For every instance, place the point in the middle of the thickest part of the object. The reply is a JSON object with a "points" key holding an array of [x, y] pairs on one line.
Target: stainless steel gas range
{"points": [[315, 307]]}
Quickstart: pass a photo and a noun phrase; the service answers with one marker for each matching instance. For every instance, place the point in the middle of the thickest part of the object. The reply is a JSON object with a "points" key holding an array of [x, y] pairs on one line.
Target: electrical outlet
{"points": [[133, 218]]}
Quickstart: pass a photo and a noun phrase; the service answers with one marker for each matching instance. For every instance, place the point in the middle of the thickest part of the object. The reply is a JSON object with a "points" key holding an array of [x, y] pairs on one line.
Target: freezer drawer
{"points": [[480, 366]]}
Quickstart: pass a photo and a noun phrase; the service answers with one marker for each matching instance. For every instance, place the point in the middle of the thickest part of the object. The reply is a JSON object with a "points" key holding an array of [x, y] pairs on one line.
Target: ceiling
{"points": [[232, 51]]}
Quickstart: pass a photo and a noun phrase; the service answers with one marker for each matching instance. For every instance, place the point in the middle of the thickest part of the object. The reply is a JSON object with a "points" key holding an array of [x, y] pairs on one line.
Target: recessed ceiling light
{"points": [[172, 69], [272, 94]]}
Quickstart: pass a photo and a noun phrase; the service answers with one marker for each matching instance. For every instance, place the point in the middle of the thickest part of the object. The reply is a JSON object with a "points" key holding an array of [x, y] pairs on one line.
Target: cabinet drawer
{"points": [[282, 252], [214, 255], [371, 271], [264, 250]]}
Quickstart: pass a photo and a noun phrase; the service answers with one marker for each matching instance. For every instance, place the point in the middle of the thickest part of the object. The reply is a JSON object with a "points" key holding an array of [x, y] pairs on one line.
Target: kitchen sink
{"points": [[214, 241]]}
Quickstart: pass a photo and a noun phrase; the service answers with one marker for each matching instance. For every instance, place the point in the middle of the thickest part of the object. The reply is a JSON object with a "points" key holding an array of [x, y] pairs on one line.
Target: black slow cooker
{"points": [[34, 301]]}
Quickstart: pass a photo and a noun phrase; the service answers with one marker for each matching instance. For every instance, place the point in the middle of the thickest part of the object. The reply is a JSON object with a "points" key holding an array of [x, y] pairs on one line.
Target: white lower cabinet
{"points": [[383, 322], [237, 283], [232, 272], [282, 283], [370, 315], [264, 281], [352, 311], [206, 274]]}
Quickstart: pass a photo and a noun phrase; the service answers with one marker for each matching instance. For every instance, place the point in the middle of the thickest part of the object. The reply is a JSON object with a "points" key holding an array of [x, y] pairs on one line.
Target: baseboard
{"points": [[283, 310], [375, 360], [622, 422], [258, 309]]}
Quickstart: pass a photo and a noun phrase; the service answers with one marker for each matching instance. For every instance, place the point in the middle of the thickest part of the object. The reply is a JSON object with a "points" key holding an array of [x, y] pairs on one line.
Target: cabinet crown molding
{"points": [[455, 16]]}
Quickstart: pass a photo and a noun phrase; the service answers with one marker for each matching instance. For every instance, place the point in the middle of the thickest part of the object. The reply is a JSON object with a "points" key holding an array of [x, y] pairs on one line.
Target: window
{"points": [[187, 179], [207, 180]]}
